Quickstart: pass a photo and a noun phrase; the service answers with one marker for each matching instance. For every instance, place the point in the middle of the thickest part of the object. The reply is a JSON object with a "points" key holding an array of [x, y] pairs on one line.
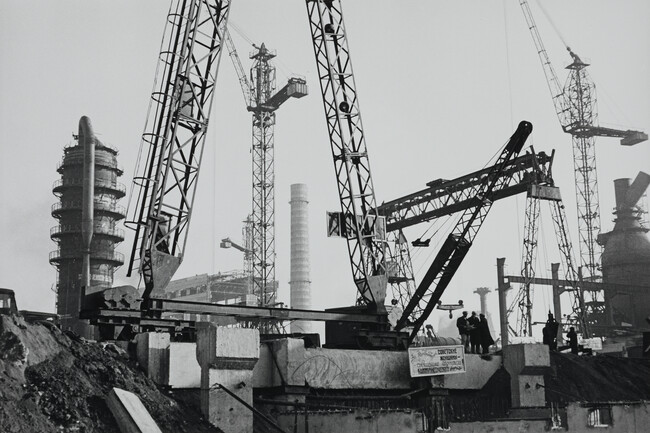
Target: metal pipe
{"points": [[557, 290], [87, 139]]}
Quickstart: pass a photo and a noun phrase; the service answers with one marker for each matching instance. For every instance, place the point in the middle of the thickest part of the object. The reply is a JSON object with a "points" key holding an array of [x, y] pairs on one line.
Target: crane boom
{"points": [[363, 228], [557, 92], [445, 197], [239, 69], [454, 249], [173, 139]]}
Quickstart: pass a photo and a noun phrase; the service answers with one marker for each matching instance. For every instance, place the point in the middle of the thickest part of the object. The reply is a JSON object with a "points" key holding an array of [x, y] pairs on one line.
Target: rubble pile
{"points": [[52, 382]]}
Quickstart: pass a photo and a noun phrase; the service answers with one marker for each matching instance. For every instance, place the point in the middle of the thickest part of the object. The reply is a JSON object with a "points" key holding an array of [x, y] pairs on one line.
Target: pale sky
{"points": [[442, 85]]}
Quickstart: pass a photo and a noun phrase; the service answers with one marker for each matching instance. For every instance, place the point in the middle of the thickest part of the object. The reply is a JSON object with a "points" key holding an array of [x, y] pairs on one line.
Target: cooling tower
{"points": [[71, 231], [299, 283], [626, 257]]}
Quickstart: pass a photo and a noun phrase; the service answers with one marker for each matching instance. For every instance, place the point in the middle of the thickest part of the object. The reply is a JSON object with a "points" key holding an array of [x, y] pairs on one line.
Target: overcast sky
{"points": [[442, 85]]}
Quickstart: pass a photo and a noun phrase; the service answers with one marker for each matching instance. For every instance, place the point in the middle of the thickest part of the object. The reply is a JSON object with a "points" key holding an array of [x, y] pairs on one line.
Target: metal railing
{"points": [[76, 228], [78, 182], [98, 205], [114, 256]]}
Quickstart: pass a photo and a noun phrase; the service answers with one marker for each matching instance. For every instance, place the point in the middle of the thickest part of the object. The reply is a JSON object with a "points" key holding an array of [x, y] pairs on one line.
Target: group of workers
{"points": [[474, 333], [550, 332], [476, 338]]}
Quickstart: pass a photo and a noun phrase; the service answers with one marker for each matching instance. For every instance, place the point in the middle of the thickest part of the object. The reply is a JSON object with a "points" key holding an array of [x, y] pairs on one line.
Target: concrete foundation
{"points": [[168, 363], [359, 421], [227, 357], [289, 360], [526, 364]]}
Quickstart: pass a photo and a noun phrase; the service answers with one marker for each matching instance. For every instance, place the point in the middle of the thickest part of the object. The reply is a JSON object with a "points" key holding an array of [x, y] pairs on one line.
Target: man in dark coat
{"points": [[573, 340], [549, 332], [474, 333], [462, 325], [484, 335]]}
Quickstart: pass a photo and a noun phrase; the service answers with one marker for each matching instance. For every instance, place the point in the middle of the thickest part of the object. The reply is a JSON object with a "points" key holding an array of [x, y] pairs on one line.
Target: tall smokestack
{"points": [[299, 283], [87, 140]]}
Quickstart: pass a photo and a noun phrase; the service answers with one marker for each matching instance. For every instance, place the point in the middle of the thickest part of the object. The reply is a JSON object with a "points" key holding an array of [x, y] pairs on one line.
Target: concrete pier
{"points": [[227, 357]]}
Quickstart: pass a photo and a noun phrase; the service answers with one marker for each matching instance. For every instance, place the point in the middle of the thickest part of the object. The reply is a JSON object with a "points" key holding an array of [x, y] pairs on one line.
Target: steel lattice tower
{"points": [[262, 100], [263, 215], [575, 105]]}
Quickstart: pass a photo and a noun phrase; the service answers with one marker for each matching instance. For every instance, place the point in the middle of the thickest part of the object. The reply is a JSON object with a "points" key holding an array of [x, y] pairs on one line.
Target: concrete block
{"points": [[130, 413], [153, 355], [184, 369], [518, 357], [221, 409], [330, 368], [526, 364], [230, 348], [352, 369], [227, 357]]}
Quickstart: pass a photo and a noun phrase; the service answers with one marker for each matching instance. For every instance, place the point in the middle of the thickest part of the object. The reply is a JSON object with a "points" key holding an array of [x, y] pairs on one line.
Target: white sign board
{"points": [[592, 343], [430, 361]]}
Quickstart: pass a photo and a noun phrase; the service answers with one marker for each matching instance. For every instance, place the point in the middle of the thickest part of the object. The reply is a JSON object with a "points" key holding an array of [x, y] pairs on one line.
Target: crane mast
{"points": [[362, 226], [262, 101], [172, 143], [576, 108]]}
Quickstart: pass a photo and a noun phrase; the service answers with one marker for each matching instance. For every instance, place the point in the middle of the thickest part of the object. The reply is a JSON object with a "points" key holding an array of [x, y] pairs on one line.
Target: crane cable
{"points": [[557, 31]]}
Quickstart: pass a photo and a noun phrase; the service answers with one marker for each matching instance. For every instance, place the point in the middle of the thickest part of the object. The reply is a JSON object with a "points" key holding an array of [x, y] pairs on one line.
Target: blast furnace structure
{"points": [[68, 234]]}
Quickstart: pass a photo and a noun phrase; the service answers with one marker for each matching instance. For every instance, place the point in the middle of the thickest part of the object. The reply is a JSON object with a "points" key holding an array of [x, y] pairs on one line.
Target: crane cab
{"points": [[8, 302]]}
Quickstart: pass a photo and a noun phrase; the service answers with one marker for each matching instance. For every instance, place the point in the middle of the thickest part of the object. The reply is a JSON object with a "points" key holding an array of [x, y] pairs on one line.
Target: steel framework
{"points": [[458, 243], [262, 102], [173, 139], [263, 200], [525, 323], [363, 229], [523, 300], [576, 108], [445, 197]]}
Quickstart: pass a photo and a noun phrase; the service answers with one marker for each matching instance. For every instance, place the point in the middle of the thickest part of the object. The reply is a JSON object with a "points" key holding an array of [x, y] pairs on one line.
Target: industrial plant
{"points": [[159, 349]]}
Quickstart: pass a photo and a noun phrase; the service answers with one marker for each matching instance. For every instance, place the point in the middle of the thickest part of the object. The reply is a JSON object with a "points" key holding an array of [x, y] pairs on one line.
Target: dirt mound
{"points": [[597, 378], [51, 382]]}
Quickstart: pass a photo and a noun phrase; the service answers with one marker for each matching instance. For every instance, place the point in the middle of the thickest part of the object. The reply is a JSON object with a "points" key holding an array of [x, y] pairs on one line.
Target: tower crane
{"points": [[174, 137], [575, 105], [262, 102]]}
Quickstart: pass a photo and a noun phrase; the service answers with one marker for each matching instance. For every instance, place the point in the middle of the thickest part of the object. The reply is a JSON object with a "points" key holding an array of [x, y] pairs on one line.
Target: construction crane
{"points": [[458, 243], [523, 299], [575, 105], [358, 220], [163, 189], [262, 102], [445, 197]]}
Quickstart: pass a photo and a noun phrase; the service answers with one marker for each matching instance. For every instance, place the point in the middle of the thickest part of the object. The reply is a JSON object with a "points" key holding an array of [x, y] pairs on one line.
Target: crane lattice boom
{"points": [[364, 231], [173, 139]]}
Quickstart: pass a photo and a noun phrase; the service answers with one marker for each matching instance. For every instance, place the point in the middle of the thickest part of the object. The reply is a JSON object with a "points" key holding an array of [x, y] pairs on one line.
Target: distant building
{"points": [[229, 288]]}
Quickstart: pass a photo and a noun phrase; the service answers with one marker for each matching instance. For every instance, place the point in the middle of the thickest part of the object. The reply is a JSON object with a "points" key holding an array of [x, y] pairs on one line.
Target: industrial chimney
{"points": [[299, 283]]}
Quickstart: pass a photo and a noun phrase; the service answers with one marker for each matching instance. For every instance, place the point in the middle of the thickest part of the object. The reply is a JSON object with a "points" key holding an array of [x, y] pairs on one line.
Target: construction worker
{"points": [[474, 333], [573, 340], [463, 330]]}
